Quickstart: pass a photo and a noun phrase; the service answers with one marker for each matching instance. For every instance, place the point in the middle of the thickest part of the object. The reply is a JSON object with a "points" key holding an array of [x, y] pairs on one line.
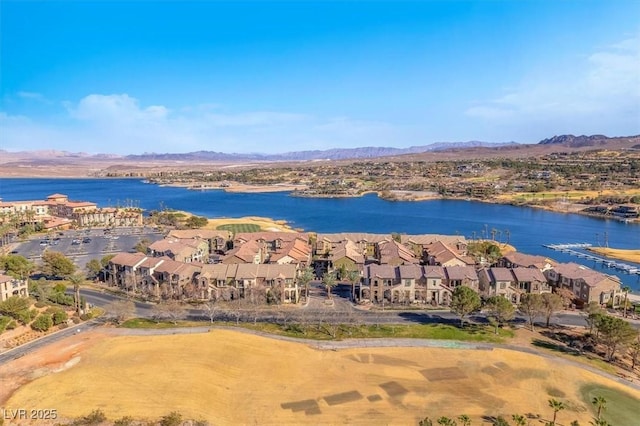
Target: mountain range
{"points": [[559, 142]]}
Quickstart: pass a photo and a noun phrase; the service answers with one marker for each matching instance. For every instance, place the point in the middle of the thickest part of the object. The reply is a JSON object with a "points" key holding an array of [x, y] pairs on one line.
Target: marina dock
{"points": [[609, 263]]}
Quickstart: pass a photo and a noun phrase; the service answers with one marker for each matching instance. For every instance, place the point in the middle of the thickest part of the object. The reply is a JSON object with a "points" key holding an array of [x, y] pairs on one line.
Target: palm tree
{"points": [[353, 277], [626, 290], [601, 404], [464, 420], [519, 419], [329, 280], [556, 406], [76, 280], [305, 278], [600, 422], [446, 421]]}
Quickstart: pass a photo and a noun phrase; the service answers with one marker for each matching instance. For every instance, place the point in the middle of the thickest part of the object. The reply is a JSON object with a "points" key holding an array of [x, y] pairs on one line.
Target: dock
{"points": [[609, 263]]}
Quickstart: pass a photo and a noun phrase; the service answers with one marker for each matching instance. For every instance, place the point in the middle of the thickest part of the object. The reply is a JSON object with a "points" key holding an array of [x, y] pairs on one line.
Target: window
{"points": [[407, 283], [503, 285]]}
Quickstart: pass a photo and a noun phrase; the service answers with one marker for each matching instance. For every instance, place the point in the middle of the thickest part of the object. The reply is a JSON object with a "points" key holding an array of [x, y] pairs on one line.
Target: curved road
{"points": [[341, 311]]}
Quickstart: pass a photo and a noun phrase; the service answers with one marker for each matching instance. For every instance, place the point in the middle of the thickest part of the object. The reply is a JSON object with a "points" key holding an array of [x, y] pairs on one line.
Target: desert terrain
{"points": [[231, 377]]}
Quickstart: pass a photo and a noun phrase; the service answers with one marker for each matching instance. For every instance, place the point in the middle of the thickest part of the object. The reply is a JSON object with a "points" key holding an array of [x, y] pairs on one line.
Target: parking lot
{"points": [[84, 245]]}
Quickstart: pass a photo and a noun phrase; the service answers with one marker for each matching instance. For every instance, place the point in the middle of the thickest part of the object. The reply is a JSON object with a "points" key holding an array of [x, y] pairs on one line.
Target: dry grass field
{"points": [[229, 377], [620, 254]]}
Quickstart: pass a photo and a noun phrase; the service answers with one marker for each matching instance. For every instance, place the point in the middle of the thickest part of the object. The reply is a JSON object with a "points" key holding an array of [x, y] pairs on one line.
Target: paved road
{"points": [[46, 340], [341, 311]]}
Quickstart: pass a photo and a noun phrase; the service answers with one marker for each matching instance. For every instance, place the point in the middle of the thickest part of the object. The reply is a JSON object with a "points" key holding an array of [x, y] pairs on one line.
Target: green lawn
{"points": [[240, 227], [622, 408]]}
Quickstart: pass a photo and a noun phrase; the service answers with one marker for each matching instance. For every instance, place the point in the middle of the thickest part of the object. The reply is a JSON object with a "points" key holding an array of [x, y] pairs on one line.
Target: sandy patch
{"points": [[620, 254]]}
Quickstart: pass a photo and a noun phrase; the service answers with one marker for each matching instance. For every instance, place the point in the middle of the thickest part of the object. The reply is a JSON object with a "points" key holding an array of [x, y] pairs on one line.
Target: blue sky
{"points": [[160, 76]]}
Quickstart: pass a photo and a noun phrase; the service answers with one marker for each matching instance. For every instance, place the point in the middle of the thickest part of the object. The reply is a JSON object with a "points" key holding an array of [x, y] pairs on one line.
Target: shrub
{"points": [[94, 418], [4, 323], [59, 317], [172, 419], [85, 317], [60, 288], [76, 320], [40, 304], [42, 323], [61, 299], [25, 316], [12, 325], [125, 421]]}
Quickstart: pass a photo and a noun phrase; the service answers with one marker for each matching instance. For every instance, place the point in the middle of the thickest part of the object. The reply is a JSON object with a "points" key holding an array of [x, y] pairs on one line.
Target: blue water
{"points": [[529, 228]]}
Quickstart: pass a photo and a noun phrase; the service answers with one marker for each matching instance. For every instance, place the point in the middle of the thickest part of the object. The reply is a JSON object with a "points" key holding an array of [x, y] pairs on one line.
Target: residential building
{"points": [[586, 284], [181, 250], [391, 252], [457, 275], [439, 253], [218, 239], [516, 259], [498, 282], [10, 287]]}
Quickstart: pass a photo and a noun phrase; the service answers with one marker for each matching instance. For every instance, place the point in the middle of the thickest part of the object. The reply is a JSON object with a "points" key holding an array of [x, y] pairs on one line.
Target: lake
{"points": [[529, 228]]}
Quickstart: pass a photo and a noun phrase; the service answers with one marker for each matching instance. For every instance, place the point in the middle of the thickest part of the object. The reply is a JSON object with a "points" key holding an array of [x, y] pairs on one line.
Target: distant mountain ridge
{"points": [[445, 149], [329, 154], [580, 141]]}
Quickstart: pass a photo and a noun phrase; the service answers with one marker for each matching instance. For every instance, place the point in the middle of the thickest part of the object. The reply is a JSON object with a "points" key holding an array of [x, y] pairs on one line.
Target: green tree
{"points": [[196, 222], [17, 266], [42, 323], [615, 332], [600, 403], [551, 303], [93, 268], [446, 421], [56, 264], [500, 310], [531, 306], [329, 281], [305, 277], [556, 406], [13, 306], [594, 312], [464, 301], [425, 422], [104, 261], [142, 246]]}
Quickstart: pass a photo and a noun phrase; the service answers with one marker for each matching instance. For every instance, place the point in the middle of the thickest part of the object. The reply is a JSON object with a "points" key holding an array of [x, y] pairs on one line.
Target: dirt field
{"points": [[229, 377]]}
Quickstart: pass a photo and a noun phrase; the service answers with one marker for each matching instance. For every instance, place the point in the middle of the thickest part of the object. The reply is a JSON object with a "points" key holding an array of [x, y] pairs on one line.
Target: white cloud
{"points": [[119, 124], [600, 93]]}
